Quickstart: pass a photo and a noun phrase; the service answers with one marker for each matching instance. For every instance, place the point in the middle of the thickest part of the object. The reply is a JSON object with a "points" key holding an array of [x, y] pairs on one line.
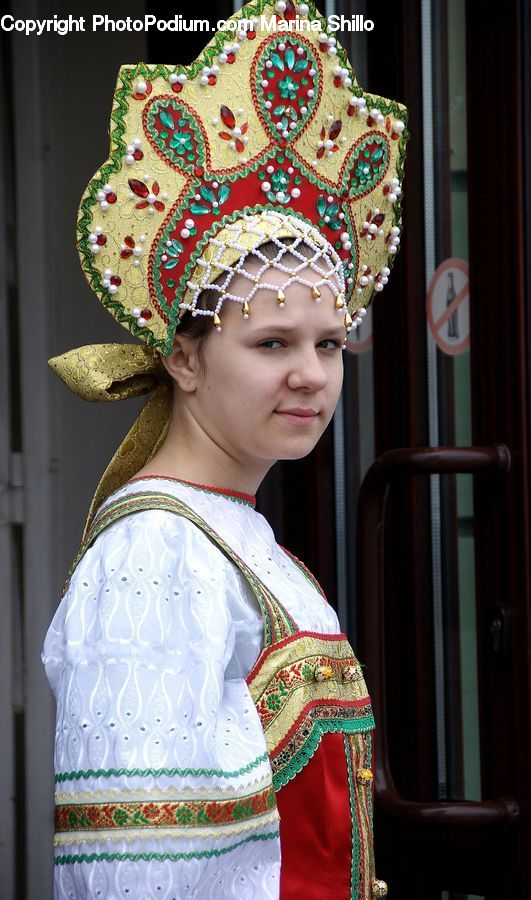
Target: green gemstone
{"points": [[280, 158], [164, 135], [170, 283], [304, 81], [270, 73], [297, 179], [190, 157], [182, 123], [270, 95], [337, 245], [261, 175]]}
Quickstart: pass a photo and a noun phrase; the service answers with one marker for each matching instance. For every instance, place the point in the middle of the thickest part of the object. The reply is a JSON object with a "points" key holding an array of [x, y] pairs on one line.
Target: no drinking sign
{"points": [[447, 306]]}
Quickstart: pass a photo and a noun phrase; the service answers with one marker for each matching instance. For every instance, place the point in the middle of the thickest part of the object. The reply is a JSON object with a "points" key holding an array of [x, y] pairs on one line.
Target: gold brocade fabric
{"points": [[106, 372]]}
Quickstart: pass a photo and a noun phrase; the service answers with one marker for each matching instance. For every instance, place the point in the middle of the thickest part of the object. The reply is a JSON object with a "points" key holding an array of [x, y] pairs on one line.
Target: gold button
{"points": [[352, 673], [379, 888], [364, 776], [323, 673]]}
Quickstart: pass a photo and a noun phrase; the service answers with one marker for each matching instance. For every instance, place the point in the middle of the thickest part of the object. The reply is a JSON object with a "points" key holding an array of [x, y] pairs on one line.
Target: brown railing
{"points": [[495, 459]]}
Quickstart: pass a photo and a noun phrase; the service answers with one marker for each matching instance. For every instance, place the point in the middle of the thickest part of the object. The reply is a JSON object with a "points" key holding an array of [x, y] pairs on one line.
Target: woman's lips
{"points": [[300, 418]]}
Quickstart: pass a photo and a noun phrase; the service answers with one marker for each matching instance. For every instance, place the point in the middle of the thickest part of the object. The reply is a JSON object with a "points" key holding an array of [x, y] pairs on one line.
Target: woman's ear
{"points": [[183, 364]]}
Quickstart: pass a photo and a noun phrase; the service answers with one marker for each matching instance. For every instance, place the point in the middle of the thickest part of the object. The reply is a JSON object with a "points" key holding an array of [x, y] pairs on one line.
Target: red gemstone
{"points": [[125, 254], [289, 12], [251, 35], [344, 193], [370, 120], [177, 87], [116, 280], [101, 240], [212, 79], [199, 171], [338, 81], [386, 189], [138, 154], [335, 128], [146, 313], [395, 136], [378, 219], [111, 197], [388, 124], [240, 146], [129, 241], [283, 142], [351, 110], [227, 117], [231, 57]]}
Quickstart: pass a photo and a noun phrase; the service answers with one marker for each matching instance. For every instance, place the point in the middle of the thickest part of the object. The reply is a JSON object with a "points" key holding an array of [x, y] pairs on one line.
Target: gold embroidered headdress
{"points": [[266, 136]]}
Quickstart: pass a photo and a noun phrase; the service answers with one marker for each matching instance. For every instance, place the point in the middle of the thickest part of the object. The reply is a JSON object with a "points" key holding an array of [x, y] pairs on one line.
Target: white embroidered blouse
{"points": [[147, 656]]}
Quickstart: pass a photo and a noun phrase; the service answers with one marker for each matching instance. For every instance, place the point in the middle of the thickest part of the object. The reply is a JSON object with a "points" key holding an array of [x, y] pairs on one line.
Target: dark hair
{"points": [[199, 327]]}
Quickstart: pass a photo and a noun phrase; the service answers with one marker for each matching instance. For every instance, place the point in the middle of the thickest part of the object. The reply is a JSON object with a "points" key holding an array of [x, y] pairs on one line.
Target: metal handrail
{"points": [[493, 458]]}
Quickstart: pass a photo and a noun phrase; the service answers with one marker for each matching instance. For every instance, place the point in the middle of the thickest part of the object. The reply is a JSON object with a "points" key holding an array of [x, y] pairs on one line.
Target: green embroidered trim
{"points": [[355, 836], [156, 773], [305, 753], [71, 858], [197, 487]]}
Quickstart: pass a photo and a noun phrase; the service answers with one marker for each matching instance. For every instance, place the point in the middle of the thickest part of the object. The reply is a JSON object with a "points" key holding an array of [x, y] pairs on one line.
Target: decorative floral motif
{"points": [[287, 80], [329, 144], [209, 199], [236, 135], [329, 212], [163, 814], [148, 197]]}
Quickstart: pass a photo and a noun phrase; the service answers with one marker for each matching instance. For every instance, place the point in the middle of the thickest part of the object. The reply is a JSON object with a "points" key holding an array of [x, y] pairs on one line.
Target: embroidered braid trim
{"points": [[303, 744], [67, 859], [156, 773], [358, 750], [90, 817]]}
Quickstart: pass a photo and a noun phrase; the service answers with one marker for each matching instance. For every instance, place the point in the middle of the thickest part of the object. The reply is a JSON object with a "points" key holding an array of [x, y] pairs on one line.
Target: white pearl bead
{"points": [[266, 186], [151, 198], [310, 93], [391, 198], [364, 280], [129, 159], [290, 170], [101, 195], [141, 87], [95, 248], [395, 230], [372, 229], [136, 262], [104, 205], [347, 245], [295, 193], [378, 286], [267, 104], [386, 271], [282, 47], [223, 57], [92, 238], [270, 169], [189, 223], [203, 80], [137, 251], [173, 78], [332, 51], [265, 83], [112, 288], [182, 79], [141, 322], [215, 70], [392, 250]]}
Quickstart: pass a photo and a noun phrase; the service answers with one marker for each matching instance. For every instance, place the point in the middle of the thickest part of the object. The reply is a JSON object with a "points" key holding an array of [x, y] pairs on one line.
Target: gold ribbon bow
{"points": [[103, 373]]}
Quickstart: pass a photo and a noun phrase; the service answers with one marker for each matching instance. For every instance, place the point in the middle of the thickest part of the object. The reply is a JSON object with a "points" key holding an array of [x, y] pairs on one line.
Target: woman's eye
{"points": [[267, 343], [332, 341]]}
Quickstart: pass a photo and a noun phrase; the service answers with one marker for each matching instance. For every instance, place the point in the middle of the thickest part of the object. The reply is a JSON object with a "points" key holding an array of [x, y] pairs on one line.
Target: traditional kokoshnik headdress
{"points": [[265, 137]]}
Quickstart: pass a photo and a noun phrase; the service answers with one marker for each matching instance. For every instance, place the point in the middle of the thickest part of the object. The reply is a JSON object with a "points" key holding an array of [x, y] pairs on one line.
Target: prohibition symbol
{"points": [[447, 306]]}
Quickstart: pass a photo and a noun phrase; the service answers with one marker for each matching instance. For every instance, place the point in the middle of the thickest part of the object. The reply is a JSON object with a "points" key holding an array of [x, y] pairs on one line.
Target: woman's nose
{"points": [[307, 370]]}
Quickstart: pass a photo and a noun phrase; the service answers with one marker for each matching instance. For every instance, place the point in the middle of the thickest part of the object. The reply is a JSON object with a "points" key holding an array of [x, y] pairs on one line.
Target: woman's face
{"points": [[257, 369]]}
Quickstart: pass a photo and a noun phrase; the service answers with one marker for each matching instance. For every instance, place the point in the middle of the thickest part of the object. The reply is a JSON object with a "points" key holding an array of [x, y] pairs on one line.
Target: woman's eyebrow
{"points": [[337, 328]]}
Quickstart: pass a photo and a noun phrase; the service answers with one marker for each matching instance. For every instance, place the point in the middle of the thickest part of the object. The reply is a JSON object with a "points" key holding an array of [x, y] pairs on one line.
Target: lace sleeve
{"points": [[162, 775]]}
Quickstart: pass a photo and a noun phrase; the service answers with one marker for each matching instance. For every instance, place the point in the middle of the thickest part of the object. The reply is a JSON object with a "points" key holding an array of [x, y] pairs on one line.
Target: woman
{"points": [[213, 726]]}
